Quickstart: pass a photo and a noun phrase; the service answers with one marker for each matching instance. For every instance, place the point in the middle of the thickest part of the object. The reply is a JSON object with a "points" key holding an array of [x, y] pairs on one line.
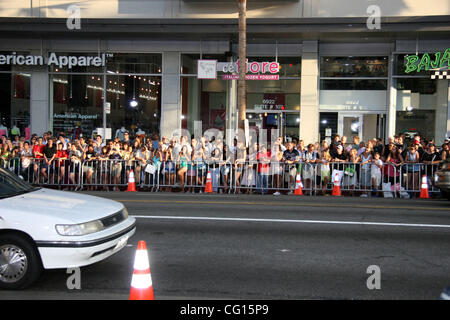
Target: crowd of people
{"points": [[183, 163]]}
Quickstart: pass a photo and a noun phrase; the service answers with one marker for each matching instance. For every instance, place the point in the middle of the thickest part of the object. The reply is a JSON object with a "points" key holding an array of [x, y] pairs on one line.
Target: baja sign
{"points": [[426, 62]]}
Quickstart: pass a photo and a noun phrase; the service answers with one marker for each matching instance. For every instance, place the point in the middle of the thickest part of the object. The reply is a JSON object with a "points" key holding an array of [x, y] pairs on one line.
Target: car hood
{"points": [[66, 205]]}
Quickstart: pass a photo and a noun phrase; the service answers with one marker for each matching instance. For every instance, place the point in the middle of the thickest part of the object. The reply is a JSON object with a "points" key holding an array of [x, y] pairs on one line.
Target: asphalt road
{"points": [[266, 247]]}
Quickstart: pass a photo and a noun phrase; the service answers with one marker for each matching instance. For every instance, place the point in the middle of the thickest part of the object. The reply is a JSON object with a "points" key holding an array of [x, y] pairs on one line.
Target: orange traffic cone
{"points": [[131, 185], [298, 186], [208, 187], [424, 188], [141, 283], [337, 186]]}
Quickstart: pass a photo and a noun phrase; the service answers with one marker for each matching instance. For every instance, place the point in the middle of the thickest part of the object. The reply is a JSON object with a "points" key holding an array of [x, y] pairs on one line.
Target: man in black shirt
{"points": [[49, 155], [291, 158], [339, 157], [431, 158]]}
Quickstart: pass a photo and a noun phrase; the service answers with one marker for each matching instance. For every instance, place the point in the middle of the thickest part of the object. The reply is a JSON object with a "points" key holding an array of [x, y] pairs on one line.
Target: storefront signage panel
{"points": [[53, 59], [353, 100], [428, 61], [272, 101], [230, 70]]}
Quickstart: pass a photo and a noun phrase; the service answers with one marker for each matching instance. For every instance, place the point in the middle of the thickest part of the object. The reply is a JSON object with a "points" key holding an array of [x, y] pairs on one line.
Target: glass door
{"points": [[350, 125]]}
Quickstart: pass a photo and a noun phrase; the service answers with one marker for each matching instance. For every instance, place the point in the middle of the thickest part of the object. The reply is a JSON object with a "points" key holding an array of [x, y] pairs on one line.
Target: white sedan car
{"points": [[49, 229]]}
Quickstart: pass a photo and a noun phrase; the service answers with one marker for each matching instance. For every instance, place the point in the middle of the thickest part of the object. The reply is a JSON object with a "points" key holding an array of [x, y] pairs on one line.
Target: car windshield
{"points": [[11, 185]]}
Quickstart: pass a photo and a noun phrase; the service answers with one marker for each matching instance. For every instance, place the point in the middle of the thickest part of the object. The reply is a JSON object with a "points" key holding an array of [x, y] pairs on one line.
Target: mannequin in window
{"points": [[3, 130], [28, 133], [120, 133], [15, 131], [76, 132]]}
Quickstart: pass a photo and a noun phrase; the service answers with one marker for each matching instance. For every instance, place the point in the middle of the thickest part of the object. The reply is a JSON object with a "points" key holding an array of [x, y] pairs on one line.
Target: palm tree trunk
{"points": [[242, 88]]}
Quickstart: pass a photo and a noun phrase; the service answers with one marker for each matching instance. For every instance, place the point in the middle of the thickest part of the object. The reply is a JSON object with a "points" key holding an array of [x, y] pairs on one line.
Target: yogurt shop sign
{"points": [[60, 61], [254, 70]]}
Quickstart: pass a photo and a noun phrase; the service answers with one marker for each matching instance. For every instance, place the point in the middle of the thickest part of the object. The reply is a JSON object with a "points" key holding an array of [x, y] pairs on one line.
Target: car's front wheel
{"points": [[20, 264]]}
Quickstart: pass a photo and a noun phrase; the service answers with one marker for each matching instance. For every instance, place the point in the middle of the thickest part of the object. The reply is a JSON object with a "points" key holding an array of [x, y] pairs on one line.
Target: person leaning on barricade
{"points": [[104, 167], [291, 160], [141, 161], [89, 165], [365, 177], [263, 158], [169, 168], [375, 172], [239, 163], [393, 161], [49, 153], [128, 160], [431, 158], [351, 171], [339, 159], [183, 159], [38, 149], [276, 168], [249, 174], [60, 163], [226, 165], [26, 156], [310, 158], [116, 165], [75, 157], [5, 155], [214, 164], [324, 168], [412, 168]]}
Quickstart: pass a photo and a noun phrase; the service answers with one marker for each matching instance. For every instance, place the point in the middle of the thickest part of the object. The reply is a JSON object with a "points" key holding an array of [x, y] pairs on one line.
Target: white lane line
{"points": [[389, 224]]}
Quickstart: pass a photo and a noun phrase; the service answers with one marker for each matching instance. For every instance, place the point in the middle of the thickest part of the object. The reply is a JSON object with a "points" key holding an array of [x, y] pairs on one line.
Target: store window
{"points": [[334, 72], [15, 104], [354, 67], [353, 95], [135, 103], [328, 125], [205, 101], [133, 95], [189, 61], [277, 95], [421, 105], [14, 98], [77, 106], [343, 84], [202, 101], [134, 63]]}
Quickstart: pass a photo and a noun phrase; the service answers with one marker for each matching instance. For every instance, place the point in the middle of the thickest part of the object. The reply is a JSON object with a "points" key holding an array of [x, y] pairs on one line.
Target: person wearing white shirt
{"points": [[375, 171]]}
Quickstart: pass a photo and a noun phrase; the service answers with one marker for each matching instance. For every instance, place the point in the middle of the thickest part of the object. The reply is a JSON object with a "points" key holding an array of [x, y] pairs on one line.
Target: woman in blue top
{"points": [[182, 162], [412, 168]]}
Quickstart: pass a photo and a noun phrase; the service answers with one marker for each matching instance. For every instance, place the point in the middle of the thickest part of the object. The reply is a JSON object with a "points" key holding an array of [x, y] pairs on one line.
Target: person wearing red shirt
{"points": [[38, 154], [60, 161], [263, 158]]}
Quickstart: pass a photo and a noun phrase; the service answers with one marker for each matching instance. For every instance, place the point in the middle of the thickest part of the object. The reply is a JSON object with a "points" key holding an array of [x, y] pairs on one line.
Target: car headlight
{"points": [[125, 213], [79, 229]]}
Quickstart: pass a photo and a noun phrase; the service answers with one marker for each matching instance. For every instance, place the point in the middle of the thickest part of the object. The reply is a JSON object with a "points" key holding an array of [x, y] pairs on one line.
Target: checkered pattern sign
{"points": [[440, 75]]}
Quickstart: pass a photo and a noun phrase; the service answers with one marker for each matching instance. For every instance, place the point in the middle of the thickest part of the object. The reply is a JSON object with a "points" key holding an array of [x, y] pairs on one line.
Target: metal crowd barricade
{"points": [[355, 179], [64, 174]]}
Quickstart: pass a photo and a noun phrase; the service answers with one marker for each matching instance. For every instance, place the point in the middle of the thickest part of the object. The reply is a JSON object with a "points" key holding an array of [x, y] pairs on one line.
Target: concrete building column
{"points": [[309, 101], [170, 94], [441, 114], [39, 101]]}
